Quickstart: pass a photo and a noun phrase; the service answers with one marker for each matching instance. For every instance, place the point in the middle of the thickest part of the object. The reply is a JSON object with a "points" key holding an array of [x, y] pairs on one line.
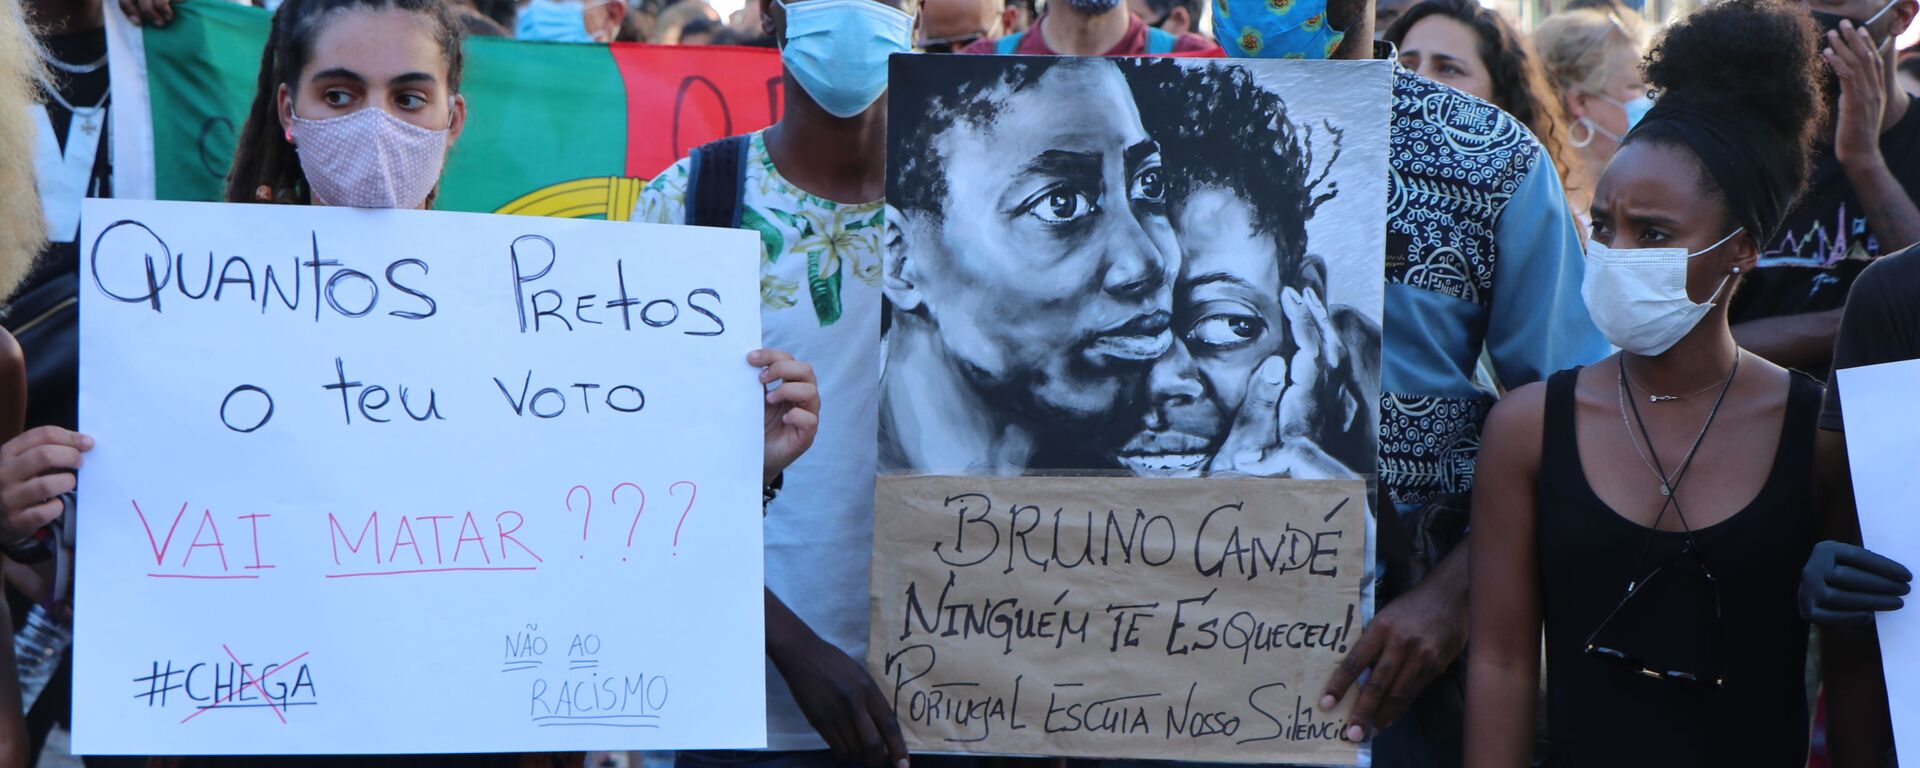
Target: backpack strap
{"points": [[1007, 46], [717, 182], [1160, 42]]}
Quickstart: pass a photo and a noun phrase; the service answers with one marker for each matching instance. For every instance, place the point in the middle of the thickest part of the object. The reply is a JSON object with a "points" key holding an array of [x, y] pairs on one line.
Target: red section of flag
{"points": [[679, 97]]}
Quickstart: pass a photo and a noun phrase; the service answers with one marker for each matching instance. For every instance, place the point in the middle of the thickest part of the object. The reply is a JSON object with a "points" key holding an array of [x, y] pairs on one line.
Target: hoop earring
{"points": [[1581, 143]]}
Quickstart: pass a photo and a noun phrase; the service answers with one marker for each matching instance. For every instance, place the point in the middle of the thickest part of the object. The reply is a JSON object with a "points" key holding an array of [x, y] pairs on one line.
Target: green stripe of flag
{"points": [[536, 111]]}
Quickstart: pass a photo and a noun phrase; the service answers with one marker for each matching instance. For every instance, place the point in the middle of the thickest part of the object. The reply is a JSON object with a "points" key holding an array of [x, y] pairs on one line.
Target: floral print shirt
{"points": [[820, 301], [811, 248]]}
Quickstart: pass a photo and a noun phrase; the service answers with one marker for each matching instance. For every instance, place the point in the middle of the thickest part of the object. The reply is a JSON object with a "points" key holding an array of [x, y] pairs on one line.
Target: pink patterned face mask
{"points": [[369, 159]]}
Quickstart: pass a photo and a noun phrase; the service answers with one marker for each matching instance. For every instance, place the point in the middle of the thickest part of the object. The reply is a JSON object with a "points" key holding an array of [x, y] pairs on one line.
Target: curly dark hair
{"points": [[1520, 85], [263, 157], [1218, 128], [927, 102], [1754, 61]]}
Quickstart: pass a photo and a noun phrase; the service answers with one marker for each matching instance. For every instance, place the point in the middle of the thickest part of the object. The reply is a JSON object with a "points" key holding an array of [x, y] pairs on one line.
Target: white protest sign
{"points": [[402, 481], [1882, 451]]}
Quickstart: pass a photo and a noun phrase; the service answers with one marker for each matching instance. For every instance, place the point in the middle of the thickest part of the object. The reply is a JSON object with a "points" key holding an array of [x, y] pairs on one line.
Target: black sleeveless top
{"points": [[1602, 712]]}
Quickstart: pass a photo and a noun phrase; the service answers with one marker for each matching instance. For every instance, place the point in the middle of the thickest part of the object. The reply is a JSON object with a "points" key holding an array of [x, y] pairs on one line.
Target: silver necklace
{"points": [[1653, 398], [88, 116], [1666, 480], [77, 69]]}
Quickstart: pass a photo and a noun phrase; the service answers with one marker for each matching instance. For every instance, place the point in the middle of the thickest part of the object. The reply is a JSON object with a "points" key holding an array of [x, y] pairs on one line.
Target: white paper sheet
{"points": [[1884, 451], [460, 529]]}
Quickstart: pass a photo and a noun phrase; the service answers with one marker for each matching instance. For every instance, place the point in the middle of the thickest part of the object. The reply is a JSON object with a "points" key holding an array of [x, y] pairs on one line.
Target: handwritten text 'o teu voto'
{"points": [[130, 262], [1226, 541]]}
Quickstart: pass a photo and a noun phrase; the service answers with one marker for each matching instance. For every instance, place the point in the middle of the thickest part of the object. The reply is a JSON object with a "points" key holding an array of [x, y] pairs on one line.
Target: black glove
{"points": [[1843, 585]]}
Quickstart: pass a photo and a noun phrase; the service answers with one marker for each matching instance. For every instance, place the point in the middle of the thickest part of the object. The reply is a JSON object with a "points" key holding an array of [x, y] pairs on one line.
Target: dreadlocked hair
{"points": [[265, 166]]}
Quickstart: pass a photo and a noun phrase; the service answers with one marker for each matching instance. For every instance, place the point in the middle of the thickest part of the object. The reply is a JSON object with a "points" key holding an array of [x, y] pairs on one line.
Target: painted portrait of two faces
{"points": [[1154, 267]]}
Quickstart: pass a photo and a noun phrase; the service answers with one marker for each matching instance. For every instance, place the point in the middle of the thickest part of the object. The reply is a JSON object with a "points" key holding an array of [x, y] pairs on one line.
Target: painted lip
{"points": [[1145, 337], [1166, 454], [1164, 464]]}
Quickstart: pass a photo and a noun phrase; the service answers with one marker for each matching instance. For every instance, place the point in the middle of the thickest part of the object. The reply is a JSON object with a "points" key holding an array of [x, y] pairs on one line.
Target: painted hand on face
{"points": [[1277, 431]]}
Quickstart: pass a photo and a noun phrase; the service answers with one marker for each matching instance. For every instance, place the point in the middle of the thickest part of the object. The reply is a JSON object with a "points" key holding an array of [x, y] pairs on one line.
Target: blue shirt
{"points": [[1481, 251]]}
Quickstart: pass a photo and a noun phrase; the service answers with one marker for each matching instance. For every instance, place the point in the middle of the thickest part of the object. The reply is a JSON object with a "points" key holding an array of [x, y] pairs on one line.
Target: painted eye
{"points": [[1061, 205], [1226, 331], [1150, 186]]}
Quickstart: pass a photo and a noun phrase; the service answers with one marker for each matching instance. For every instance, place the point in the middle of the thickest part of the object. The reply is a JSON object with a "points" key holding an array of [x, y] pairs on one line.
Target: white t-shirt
{"points": [[820, 301]]}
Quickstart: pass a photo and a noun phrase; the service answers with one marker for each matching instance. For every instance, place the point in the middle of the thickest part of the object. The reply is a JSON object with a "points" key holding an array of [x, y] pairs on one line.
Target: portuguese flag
{"points": [[553, 129]]}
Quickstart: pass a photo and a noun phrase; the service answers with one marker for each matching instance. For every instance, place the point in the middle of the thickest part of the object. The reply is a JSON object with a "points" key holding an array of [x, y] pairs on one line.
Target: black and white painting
{"points": [[1162, 267]]}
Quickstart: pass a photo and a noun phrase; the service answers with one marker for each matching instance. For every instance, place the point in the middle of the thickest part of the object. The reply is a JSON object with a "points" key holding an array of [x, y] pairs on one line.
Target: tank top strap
{"points": [[1559, 447], [1803, 412]]}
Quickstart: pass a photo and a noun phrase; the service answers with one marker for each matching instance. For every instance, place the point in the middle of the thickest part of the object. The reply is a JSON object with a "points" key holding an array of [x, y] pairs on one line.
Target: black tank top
{"points": [[1603, 713]]}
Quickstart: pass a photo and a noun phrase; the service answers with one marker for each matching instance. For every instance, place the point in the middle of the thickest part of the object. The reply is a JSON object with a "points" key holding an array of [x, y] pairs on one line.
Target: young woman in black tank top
{"points": [[1651, 512]]}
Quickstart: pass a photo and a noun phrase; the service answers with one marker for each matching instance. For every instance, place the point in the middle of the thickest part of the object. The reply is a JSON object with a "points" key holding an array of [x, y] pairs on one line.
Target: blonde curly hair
{"points": [[22, 73], [1576, 46]]}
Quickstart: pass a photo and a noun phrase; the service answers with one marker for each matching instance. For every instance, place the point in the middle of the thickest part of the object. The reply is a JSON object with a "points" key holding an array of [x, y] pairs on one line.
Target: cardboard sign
{"points": [[401, 481], [1175, 619]]}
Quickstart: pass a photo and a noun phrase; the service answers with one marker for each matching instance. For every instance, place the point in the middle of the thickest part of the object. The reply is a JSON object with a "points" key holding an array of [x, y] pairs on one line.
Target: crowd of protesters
{"points": [[1677, 226]]}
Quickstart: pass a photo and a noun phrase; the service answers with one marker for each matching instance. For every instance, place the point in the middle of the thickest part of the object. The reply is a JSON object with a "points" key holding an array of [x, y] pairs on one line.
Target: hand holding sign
{"points": [[35, 469], [1843, 585], [1410, 642], [835, 692], [792, 411]]}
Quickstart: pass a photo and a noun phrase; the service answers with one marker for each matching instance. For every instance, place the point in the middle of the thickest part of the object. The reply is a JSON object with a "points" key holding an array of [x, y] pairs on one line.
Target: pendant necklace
{"points": [[1653, 398], [1667, 481], [89, 117]]}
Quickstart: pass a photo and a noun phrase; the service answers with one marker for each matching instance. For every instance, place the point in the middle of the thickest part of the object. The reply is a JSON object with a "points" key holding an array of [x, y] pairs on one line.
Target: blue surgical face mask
{"points": [[554, 21], [1634, 108], [1637, 109], [837, 50]]}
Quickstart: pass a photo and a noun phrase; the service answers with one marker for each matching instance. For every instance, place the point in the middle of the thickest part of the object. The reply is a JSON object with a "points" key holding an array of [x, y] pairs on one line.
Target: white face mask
{"points": [[369, 159], [1638, 298]]}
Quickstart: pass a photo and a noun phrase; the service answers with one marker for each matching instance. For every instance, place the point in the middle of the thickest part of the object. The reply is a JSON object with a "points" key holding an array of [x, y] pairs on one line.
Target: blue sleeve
{"points": [[1538, 323]]}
